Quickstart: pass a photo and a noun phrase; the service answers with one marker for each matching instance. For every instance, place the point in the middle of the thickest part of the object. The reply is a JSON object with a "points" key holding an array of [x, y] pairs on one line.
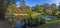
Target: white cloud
{"points": [[56, 1]]}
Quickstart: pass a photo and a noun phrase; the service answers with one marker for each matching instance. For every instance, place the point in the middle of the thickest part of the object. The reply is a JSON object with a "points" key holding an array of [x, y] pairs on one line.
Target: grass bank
{"points": [[52, 24]]}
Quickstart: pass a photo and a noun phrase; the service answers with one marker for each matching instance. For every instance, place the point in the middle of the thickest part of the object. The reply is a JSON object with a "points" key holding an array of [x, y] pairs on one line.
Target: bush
{"points": [[40, 20]]}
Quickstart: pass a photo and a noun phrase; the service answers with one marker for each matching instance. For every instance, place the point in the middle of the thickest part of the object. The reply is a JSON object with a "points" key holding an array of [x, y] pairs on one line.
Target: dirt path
{"points": [[3, 24]]}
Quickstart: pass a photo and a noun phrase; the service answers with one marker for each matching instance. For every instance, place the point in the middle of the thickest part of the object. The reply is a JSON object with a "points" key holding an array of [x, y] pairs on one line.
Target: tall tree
{"points": [[3, 7], [11, 8], [48, 12], [46, 6], [27, 8], [54, 8], [38, 9]]}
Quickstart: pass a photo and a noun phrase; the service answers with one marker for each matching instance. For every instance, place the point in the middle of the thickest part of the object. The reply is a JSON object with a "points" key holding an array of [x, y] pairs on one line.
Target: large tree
{"points": [[38, 9], [11, 8], [54, 8], [3, 7], [46, 6], [48, 12]]}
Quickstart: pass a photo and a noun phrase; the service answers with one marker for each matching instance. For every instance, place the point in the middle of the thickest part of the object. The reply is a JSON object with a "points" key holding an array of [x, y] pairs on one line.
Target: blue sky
{"points": [[40, 2]]}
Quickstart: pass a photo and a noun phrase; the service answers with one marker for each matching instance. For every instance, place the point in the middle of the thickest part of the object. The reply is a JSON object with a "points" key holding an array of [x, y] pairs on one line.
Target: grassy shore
{"points": [[53, 24]]}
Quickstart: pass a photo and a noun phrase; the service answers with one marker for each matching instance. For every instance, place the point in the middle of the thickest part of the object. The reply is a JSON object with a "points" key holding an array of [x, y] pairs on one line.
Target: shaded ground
{"points": [[3, 24]]}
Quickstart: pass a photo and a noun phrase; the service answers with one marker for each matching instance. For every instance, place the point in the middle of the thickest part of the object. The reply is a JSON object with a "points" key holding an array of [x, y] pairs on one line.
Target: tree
{"points": [[9, 12], [47, 6], [48, 12], [54, 8], [27, 9], [57, 12], [30, 13], [33, 8], [38, 9], [3, 7], [11, 8]]}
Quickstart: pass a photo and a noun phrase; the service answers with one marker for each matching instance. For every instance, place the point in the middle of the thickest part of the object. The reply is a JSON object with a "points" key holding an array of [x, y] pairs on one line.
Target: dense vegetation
{"points": [[34, 14]]}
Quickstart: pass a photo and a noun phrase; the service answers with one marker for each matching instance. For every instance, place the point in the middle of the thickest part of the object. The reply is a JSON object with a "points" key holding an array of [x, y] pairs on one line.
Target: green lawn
{"points": [[52, 24]]}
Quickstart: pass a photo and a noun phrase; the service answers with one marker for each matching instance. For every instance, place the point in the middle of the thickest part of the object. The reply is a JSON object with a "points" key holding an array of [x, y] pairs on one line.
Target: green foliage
{"points": [[11, 8], [27, 9], [40, 19], [48, 11], [9, 12], [39, 9], [3, 6], [57, 12], [46, 6], [54, 6]]}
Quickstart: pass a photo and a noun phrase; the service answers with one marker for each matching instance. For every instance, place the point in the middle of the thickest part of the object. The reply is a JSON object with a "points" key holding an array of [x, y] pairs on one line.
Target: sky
{"points": [[35, 2]]}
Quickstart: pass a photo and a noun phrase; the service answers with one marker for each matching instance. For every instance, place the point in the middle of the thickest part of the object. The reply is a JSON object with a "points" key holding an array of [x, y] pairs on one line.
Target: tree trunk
{"points": [[3, 6]]}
